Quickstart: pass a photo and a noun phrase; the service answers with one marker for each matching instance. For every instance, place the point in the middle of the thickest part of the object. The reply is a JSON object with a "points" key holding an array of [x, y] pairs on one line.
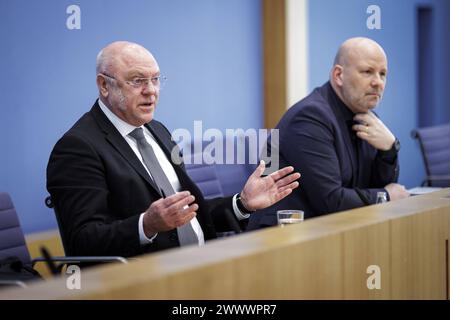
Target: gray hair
{"points": [[103, 62]]}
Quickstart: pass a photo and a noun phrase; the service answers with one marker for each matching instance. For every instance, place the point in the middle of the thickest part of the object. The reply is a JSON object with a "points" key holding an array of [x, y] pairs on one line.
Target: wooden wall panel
{"points": [[274, 52], [364, 247], [313, 271], [419, 256]]}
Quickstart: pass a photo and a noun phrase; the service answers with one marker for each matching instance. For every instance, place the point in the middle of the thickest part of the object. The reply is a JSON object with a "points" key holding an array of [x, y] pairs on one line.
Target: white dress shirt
{"points": [[125, 129]]}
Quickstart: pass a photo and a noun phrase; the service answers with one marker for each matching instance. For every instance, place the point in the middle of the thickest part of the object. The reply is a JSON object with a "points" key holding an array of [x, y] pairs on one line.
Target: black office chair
{"points": [[231, 176], [435, 146], [205, 177], [13, 245], [87, 260]]}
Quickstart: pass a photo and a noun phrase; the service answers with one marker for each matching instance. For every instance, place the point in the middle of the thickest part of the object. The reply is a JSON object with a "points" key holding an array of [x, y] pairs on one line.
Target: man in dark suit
{"points": [[344, 151], [112, 179]]}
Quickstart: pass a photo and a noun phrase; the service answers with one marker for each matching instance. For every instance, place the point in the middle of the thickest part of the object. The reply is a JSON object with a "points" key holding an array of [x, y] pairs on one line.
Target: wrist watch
{"points": [[241, 206], [393, 151]]}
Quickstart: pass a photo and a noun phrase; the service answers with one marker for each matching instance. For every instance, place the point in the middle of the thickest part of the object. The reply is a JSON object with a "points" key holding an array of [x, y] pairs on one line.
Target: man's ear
{"points": [[337, 74], [102, 86]]}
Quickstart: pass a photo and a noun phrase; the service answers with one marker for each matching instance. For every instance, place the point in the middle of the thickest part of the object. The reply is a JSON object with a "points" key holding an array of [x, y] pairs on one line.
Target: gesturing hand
{"points": [[169, 213], [261, 192], [373, 131]]}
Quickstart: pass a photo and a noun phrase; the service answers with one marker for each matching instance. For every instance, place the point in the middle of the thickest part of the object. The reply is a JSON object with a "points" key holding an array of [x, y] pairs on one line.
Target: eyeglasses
{"points": [[157, 81]]}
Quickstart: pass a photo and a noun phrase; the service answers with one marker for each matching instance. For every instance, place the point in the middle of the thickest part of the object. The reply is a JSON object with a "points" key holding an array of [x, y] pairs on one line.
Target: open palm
{"points": [[261, 192]]}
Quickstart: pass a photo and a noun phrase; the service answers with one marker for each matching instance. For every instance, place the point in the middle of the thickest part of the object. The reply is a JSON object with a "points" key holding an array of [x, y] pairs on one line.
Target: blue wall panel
{"points": [[210, 52]]}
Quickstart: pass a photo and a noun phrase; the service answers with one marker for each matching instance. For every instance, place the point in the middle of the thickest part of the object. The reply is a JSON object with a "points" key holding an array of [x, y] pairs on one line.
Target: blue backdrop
{"points": [[210, 52]]}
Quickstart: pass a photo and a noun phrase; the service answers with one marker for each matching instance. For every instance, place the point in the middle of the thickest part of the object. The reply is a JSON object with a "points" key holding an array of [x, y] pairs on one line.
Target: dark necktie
{"points": [[186, 234]]}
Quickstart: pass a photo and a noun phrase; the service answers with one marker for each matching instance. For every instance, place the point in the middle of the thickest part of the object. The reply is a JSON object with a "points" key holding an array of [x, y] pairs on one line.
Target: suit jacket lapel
{"points": [[118, 142]]}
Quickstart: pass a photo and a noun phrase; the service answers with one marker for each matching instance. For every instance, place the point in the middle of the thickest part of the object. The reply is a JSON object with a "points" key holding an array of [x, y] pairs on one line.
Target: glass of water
{"points": [[289, 217]]}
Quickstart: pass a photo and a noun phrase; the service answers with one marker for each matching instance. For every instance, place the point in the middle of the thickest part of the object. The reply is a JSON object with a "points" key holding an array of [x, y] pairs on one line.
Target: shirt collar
{"points": [[345, 111], [123, 127]]}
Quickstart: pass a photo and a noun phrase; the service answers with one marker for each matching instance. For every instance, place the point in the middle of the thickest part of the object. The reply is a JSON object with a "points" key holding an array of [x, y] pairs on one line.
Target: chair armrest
{"points": [[443, 177], [16, 283], [80, 259], [437, 178]]}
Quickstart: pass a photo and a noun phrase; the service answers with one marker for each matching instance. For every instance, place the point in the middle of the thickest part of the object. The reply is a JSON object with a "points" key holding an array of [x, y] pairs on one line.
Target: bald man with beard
{"points": [[344, 151]]}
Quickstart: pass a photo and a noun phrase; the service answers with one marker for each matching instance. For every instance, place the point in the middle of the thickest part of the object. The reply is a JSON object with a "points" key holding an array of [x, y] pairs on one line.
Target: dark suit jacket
{"points": [[339, 171], [99, 189]]}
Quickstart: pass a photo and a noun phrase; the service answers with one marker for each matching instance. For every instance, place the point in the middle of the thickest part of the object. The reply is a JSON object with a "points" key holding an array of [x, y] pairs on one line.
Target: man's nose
{"points": [[377, 81], [149, 88]]}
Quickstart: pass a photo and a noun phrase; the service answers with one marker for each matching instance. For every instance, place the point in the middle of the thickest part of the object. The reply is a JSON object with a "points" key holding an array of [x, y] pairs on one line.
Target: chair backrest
{"points": [[435, 146], [49, 203], [231, 176], [205, 177], [12, 240]]}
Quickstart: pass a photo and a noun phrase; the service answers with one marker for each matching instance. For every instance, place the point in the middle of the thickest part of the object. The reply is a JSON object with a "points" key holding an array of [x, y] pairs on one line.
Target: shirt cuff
{"points": [[388, 198], [142, 237], [239, 215], [388, 157]]}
